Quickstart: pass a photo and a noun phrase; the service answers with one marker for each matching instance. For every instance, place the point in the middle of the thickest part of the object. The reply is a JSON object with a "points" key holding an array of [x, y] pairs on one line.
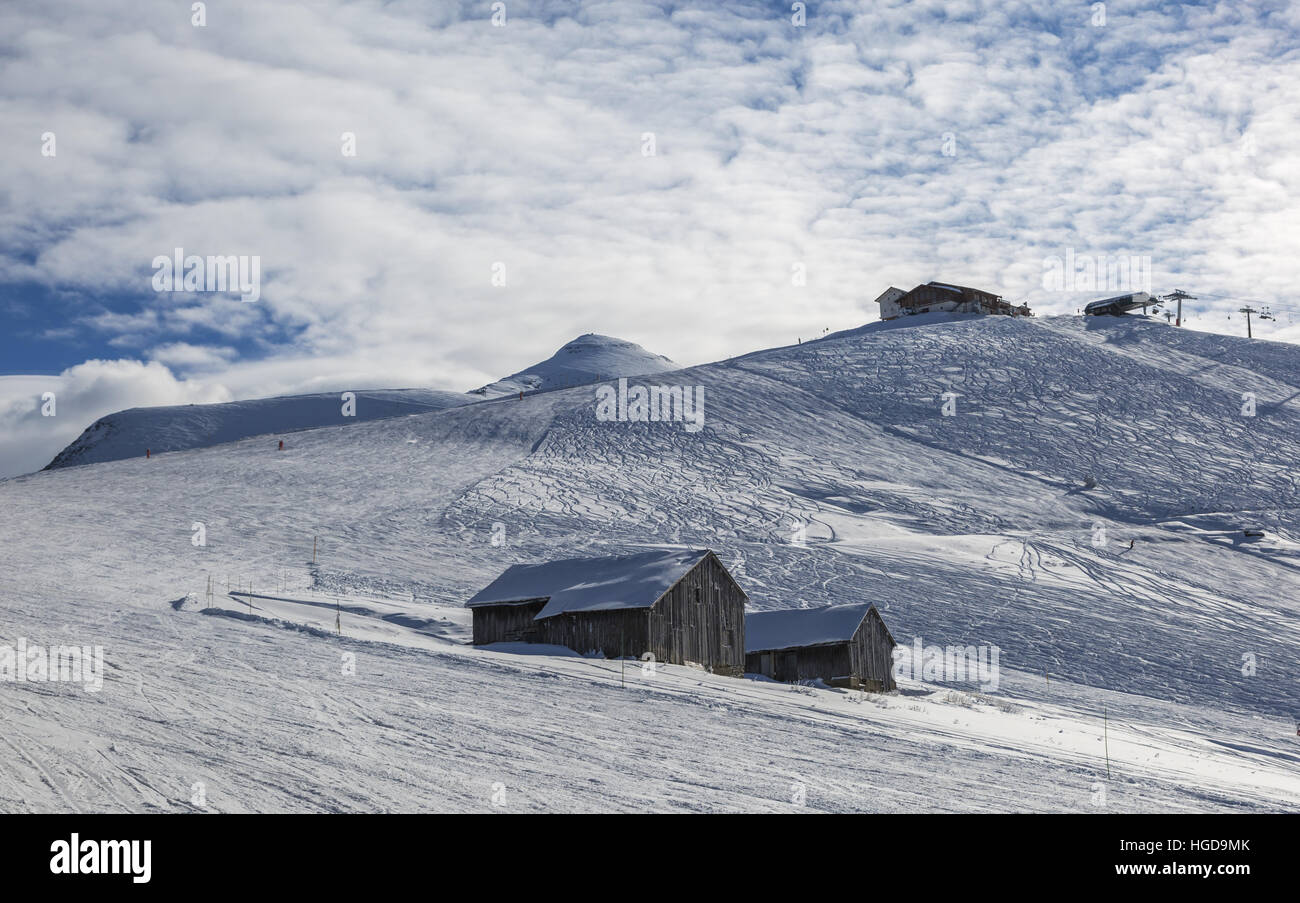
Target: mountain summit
{"points": [[587, 359]]}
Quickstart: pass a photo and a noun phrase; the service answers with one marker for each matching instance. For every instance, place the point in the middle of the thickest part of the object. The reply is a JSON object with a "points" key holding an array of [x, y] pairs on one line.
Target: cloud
{"points": [[1166, 132], [192, 357], [41, 414]]}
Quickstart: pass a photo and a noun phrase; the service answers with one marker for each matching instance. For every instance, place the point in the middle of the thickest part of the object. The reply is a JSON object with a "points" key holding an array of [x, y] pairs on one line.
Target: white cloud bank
{"points": [[1167, 132]]}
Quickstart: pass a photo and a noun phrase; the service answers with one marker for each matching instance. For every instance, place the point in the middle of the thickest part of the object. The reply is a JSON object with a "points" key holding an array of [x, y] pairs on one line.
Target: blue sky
{"points": [[876, 144]]}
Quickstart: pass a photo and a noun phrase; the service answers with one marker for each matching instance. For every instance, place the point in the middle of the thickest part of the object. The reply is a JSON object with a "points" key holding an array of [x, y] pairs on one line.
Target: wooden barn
{"points": [[682, 607], [843, 645]]}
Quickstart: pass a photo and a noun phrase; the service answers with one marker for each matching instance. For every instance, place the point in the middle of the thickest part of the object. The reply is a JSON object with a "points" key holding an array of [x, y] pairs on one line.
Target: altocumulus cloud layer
{"points": [[879, 143]]}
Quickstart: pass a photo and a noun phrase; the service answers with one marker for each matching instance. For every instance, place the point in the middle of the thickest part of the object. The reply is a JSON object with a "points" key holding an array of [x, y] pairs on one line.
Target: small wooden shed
{"points": [[681, 607], [843, 645]]}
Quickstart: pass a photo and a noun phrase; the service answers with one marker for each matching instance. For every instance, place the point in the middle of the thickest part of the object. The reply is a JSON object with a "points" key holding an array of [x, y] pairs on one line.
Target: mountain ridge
{"points": [[169, 428]]}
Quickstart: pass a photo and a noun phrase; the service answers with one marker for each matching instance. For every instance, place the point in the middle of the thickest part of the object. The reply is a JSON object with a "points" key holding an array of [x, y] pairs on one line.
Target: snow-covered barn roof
{"points": [[591, 584], [786, 629]]}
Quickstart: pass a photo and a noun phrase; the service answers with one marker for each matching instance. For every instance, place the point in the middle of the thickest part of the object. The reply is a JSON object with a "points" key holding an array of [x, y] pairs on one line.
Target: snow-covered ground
{"points": [[137, 431], [826, 473]]}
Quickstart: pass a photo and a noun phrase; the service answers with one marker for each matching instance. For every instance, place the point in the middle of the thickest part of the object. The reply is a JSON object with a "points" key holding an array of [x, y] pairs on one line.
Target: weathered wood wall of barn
{"points": [[506, 623], [828, 662], [611, 633], [872, 651], [701, 620]]}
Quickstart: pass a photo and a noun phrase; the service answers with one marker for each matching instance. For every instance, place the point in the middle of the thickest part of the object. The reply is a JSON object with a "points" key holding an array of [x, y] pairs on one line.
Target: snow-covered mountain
{"points": [[130, 433], [588, 358], [1112, 503]]}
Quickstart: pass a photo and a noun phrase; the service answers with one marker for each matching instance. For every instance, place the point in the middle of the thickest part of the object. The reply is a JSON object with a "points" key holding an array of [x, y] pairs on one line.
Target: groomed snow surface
{"points": [[1140, 629]]}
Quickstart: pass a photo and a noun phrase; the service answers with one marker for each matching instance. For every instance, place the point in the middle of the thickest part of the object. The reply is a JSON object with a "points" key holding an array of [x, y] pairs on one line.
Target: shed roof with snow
{"points": [[591, 584], [768, 631]]}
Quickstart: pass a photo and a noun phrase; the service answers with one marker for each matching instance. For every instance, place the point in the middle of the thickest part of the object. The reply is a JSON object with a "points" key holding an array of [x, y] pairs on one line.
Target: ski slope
{"points": [[826, 473]]}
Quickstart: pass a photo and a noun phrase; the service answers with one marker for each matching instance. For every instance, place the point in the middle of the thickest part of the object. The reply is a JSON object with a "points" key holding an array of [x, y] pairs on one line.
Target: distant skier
{"points": [[521, 394], [1130, 544], [281, 445], [146, 452]]}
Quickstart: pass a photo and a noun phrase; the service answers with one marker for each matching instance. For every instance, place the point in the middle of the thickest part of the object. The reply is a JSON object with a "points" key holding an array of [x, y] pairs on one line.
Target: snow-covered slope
{"points": [[588, 358], [129, 433], [1139, 628]]}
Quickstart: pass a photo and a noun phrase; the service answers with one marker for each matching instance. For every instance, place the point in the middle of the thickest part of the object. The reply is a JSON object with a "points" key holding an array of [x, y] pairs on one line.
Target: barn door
{"points": [[787, 666]]}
